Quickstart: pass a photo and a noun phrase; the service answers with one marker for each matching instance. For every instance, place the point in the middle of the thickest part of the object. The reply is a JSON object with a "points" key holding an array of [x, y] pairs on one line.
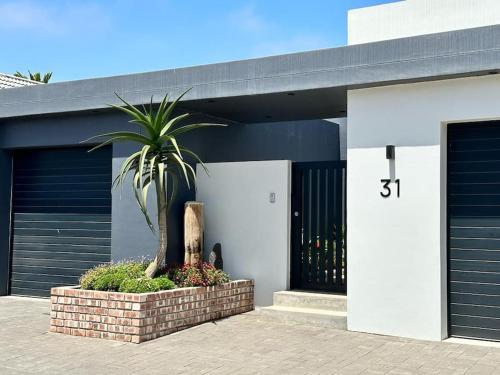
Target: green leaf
{"points": [[171, 107], [187, 128], [160, 113], [137, 115], [126, 165], [183, 167], [142, 205], [142, 160], [172, 122], [119, 136]]}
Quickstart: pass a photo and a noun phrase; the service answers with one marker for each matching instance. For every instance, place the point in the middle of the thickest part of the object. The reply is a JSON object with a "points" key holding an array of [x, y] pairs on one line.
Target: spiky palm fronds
{"points": [[35, 76], [160, 154]]}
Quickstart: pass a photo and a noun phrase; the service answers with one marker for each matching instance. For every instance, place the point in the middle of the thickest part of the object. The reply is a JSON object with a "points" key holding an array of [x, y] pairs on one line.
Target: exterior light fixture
{"points": [[390, 152]]}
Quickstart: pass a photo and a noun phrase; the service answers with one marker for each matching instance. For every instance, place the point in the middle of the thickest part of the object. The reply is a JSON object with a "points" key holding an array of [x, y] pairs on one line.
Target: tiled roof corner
{"points": [[8, 81]]}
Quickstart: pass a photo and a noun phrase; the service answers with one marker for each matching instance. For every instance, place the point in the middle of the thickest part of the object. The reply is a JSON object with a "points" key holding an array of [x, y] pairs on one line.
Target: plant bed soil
{"points": [[137, 318]]}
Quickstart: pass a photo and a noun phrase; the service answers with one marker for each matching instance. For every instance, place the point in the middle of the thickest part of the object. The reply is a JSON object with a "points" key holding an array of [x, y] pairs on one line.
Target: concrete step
{"points": [[316, 301], [334, 319]]}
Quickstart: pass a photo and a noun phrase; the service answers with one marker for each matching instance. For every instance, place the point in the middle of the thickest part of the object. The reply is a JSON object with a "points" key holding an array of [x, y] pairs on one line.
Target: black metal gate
{"points": [[318, 226]]}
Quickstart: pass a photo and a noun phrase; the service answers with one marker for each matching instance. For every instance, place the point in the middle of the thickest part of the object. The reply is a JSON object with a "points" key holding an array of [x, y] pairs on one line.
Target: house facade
{"points": [[418, 88]]}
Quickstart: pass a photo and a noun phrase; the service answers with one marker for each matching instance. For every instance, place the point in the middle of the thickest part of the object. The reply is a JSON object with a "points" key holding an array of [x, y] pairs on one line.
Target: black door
{"points": [[61, 217], [318, 226], [474, 230]]}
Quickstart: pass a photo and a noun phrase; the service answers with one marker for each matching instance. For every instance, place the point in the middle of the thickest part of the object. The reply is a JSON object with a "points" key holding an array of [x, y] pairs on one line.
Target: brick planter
{"points": [[141, 317]]}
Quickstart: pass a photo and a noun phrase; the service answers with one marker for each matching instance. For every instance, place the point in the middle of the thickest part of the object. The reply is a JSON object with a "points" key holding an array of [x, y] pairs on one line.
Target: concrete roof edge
{"points": [[414, 59]]}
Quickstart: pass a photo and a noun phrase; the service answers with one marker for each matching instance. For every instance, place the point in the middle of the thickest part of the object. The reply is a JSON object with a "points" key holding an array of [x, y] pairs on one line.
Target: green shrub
{"points": [[146, 285], [109, 277], [198, 275]]}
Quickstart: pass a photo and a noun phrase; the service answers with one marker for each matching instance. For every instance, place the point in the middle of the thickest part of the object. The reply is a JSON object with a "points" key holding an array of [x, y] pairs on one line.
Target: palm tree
{"points": [[160, 155], [35, 76]]}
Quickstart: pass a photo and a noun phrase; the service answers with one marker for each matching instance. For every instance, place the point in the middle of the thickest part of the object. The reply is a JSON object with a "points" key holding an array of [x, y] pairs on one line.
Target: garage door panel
{"points": [[474, 276], [102, 234], [61, 240], [472, 210], [475, 333], [474, 177], [474, 254], [30, 292], [65, 186], [474, 299], [474, 265], [63, 225], [474, 230], [61, 202], [486, 155], [481, 222], [51, 270], [475, 199], [61, 179], [476, 144], [89, 168], [59, 194], [76, 256], [471, 232], [474, 166], [63, 248], [61, 217], [94, 209], [476, 310], [50, 217], [46, 278], [474, 188], [44, 285], [478, 131], [474, 288], [475, 321], [475, 243]]}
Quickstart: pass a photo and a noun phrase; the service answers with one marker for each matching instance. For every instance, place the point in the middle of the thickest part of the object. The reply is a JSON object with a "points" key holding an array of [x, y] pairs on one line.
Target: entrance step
{"points": [[319, 301], [334, 319], [309, 308]]}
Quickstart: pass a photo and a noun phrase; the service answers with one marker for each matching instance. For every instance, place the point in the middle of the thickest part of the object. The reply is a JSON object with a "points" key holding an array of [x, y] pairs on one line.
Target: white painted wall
{"points": [[254, 233], [418, 17], [397, 247]]}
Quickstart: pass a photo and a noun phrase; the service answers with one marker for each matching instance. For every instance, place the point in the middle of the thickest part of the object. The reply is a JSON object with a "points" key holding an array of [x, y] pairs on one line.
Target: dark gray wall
{"points": [[296, 140]]}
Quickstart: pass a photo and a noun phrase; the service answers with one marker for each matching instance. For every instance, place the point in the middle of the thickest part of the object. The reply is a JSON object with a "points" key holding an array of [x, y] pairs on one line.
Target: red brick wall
{"points": [[141, 317]]}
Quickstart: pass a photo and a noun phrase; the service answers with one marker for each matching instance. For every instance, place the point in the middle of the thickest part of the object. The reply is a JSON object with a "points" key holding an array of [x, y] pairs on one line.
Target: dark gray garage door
{"points": [[474, 230], [61, 217]]}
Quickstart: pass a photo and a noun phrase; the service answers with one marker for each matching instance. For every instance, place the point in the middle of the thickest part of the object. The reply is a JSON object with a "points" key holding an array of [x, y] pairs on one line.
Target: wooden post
{"points": [[193, 233]]}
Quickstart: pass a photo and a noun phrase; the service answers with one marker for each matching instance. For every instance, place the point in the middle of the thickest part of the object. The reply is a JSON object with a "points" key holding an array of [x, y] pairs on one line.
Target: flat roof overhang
{"points": [[294, 86]]}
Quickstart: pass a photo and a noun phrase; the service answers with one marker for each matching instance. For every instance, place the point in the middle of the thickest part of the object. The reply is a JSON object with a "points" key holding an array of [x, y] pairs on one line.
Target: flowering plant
{"points": [[203, 274]]}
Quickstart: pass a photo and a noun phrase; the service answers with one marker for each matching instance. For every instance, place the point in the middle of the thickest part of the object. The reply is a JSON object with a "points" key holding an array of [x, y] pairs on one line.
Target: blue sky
{"points": [[90, 38]]}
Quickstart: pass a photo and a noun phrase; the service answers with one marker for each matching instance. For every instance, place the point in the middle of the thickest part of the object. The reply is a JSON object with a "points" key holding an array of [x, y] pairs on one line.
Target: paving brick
{"points": [[243, 344]]}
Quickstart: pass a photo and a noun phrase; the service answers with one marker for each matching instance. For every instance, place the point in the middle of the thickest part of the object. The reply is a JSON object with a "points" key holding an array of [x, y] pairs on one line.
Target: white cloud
{"points": [[43, 17], [247, 19]]}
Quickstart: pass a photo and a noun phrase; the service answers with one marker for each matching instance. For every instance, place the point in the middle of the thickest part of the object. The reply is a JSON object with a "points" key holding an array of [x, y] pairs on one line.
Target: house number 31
{"points": [[386, 187]]}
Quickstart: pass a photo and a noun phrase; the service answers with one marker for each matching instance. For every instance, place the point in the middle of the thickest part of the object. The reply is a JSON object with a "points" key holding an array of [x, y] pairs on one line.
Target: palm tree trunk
{"points": [[161, 199]]}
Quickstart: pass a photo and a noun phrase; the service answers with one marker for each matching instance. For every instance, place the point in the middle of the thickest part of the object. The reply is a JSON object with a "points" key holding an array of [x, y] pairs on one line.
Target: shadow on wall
{"points": [[312, 140]]}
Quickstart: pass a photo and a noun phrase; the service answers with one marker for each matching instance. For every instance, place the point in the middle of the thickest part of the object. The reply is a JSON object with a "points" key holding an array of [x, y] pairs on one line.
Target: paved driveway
{"points": [[245, 344]]}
